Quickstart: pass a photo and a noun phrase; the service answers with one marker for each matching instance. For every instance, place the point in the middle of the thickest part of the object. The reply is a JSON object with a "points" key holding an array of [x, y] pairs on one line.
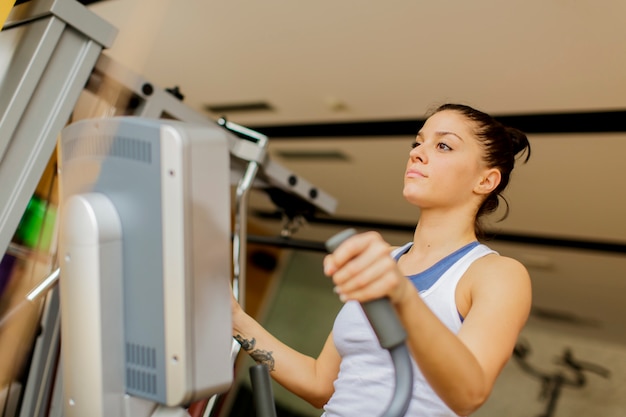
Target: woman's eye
{"points": [[443, 146], [415, 145]]}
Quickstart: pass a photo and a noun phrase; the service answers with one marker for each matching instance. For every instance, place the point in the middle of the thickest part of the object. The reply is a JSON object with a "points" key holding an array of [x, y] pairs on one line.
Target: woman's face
{"points": [[445, 164]]}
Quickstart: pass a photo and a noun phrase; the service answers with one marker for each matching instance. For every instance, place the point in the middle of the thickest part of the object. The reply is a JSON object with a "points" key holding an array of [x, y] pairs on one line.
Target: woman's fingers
{"points": [[368, 286], [361, 268], [351, 248]]}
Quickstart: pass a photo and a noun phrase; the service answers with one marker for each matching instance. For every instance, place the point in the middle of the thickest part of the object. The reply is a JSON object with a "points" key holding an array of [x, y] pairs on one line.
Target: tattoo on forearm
{"points": [[260, 356], [263, 357], [246, 344]]}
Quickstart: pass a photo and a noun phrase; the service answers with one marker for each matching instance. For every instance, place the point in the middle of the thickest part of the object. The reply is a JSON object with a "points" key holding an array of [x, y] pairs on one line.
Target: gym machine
{"points": [[49, 49], [55, 65], [116, 358]]}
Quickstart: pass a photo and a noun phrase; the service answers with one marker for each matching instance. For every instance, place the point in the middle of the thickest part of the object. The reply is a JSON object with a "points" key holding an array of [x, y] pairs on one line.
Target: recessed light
{"points": [[312, 154], [251, 106]]}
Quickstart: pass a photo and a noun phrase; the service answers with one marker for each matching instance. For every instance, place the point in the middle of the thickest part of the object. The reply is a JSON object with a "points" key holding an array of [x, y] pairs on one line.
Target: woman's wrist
{"points": [[405, 302], [239, 317], [404, 293]]}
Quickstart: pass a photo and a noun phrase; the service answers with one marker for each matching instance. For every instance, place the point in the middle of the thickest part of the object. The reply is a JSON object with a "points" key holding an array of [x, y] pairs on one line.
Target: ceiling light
{"points": [[312, 154], [251, 106]]}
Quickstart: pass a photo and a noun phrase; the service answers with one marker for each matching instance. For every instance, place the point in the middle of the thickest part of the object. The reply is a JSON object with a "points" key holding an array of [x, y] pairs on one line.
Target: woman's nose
{"points": [[417, 153]]}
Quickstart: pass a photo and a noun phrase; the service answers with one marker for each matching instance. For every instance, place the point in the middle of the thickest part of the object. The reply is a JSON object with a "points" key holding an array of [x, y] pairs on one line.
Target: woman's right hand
{"points": [[362, 269]]}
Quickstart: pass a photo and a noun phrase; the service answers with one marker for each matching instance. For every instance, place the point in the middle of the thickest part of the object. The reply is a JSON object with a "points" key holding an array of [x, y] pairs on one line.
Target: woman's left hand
{"points": [[362, 269]]}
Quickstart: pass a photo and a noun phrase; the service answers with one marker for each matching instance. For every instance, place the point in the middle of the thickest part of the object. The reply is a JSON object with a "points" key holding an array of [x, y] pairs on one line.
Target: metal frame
{"points": [[158, 103], [251, 167], [55, 45], [56, 50]]}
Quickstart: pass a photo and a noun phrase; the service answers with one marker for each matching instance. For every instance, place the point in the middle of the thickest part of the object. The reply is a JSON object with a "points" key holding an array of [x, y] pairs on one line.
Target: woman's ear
{"points": [[489, 181]]}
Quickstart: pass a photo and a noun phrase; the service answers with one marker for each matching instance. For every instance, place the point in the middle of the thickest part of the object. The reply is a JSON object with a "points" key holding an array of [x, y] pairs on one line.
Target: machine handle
{"points": [[380, 312], [262, 391]]}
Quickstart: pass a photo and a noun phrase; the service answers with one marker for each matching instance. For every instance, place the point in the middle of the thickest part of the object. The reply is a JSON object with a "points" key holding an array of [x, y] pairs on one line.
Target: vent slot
{"points": [[139, 355], [139, 381], [141, 369], [103, 146]]}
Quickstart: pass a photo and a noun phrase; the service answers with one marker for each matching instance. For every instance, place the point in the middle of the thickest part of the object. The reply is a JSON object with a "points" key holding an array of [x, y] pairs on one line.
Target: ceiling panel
{"points": [[328, 61]]}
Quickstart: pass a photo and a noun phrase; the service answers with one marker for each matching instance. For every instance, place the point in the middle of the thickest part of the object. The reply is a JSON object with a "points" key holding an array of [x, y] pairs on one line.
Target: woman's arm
{"points": [[463, 368], [309, 378]]}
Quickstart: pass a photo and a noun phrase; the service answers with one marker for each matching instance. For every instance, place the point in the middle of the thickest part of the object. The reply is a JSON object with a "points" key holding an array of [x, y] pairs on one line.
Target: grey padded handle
{"points": [[380, 312]]}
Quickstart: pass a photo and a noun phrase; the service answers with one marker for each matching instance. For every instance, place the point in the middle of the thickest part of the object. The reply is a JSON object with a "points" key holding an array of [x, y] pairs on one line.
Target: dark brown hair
{"points": [[502, 145]]}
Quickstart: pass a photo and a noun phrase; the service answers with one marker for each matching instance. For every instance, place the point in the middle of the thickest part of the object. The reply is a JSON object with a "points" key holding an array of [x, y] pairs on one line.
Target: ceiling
{"points": [[353, 61]]}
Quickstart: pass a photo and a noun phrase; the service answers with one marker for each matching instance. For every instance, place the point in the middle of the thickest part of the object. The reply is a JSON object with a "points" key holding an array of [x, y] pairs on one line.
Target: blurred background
{"points": [[340, 89]]}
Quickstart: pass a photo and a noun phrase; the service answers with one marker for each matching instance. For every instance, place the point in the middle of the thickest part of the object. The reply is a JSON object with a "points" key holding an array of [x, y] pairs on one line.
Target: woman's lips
{"points": [[414, 173]]}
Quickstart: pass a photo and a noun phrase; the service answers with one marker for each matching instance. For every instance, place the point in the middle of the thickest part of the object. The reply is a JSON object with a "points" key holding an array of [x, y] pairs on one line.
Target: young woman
{"points": [[462, 304]]}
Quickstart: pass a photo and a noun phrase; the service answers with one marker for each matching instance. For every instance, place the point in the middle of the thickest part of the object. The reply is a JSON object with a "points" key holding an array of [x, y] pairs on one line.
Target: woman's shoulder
{"points": [[495, 279], [499, 261], [495, 268]]}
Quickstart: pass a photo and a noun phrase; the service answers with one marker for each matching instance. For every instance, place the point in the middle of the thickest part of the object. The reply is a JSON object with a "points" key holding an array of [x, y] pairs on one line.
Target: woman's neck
{"points": [[443, 232], [436, 236]]}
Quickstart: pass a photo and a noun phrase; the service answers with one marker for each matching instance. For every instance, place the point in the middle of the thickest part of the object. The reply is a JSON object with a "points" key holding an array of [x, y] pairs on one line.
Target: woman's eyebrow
{"points": [[444, 133], [440, 134]]}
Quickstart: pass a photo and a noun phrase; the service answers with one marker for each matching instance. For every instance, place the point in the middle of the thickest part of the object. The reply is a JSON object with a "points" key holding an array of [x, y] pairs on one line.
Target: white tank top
{"points": [[365, 384]]}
